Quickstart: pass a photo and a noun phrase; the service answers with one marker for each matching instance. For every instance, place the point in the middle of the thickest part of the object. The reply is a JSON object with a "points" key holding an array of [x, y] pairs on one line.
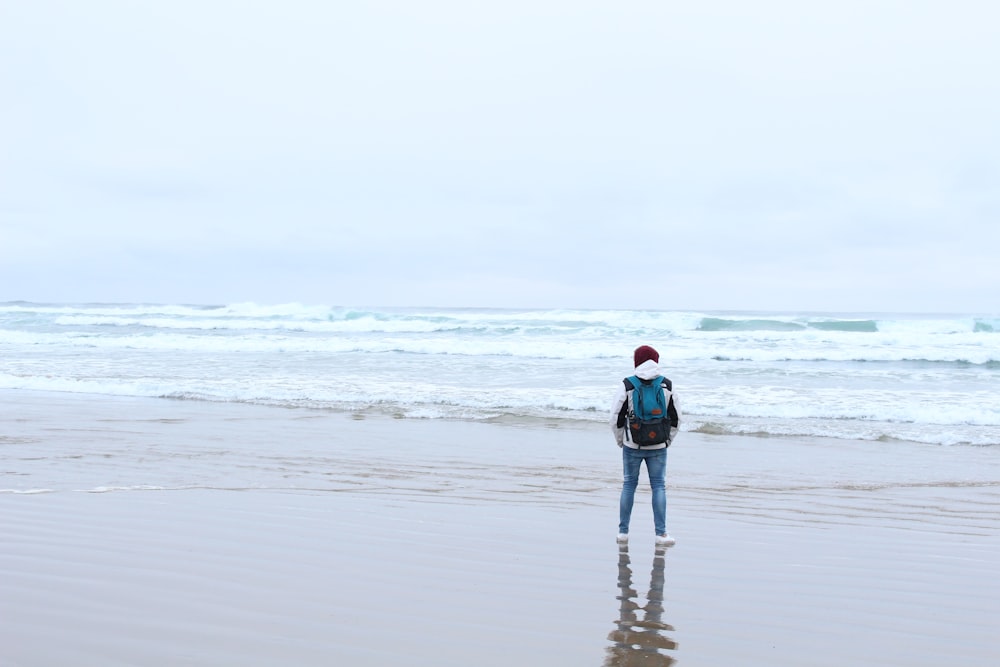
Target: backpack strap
{"points": [[633, 381]]}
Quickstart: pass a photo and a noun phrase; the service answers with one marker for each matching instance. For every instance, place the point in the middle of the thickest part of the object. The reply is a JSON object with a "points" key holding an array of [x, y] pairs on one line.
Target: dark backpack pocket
{"points": [[646, 433]]}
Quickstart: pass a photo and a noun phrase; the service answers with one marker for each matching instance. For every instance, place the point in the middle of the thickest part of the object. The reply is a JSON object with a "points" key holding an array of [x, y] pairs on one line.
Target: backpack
{"points": [[648, 421]]}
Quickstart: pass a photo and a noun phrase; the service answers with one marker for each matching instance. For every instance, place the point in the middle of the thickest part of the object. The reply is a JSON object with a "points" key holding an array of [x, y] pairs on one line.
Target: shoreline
{"points": [[710, 427], [275, 536]]}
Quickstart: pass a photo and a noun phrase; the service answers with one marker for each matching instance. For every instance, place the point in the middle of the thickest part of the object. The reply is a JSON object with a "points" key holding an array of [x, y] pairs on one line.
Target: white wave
{"points": [[481, 364], [583, 402], [579, 345]]}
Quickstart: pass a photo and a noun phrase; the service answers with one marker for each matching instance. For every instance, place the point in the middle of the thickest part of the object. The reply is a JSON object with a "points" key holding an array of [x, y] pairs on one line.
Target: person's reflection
{"points": [[640, 642]]}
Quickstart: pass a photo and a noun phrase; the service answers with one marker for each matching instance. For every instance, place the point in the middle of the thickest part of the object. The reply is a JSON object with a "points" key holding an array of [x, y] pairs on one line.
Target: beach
{"points": [[313, 318], [142, 531]]}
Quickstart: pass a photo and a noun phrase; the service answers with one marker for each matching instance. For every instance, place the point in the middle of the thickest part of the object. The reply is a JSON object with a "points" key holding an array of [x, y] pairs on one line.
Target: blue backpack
{"points": [[648, 421]]}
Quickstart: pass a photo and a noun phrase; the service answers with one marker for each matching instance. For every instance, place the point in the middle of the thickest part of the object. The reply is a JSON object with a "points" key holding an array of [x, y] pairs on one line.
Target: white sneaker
{"points": [[665, 541], [622, 538]]}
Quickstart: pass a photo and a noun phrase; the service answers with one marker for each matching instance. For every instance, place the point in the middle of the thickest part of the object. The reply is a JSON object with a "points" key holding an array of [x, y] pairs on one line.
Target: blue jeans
{"points": [[656, 468]]}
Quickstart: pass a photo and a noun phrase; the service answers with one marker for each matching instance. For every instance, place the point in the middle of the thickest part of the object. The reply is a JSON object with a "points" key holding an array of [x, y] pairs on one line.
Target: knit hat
{"points": [[644, 353]]}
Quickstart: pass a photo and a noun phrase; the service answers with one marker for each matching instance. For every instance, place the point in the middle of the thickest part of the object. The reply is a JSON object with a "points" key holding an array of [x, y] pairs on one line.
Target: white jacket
{"points": [[647, 370]]}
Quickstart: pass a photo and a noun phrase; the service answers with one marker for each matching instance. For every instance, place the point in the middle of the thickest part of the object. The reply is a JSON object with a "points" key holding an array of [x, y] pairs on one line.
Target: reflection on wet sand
{"points": [[640, 642]]}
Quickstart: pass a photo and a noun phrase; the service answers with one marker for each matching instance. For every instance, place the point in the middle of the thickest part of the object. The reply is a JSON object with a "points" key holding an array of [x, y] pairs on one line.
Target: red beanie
{"points": [[644, 353]]}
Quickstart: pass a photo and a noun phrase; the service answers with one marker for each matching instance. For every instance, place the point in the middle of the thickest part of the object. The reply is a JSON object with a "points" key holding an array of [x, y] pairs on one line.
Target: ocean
{"points": [[922, 378]]}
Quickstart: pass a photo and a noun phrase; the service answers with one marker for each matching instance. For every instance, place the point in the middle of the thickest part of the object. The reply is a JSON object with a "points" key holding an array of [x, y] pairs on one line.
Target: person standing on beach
{"points": [[647, 372]]}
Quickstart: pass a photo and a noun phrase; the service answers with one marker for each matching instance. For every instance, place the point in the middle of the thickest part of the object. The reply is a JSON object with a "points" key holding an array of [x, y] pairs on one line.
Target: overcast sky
{"points": [[780, 155]]}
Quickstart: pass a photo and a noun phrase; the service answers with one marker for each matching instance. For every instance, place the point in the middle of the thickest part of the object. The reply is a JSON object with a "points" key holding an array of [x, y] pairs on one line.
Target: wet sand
{"points": [[158, 532]]}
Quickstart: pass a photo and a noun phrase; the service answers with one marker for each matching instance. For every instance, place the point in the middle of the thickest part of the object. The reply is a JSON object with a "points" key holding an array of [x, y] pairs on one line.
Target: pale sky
{"points": [[769, 155]]}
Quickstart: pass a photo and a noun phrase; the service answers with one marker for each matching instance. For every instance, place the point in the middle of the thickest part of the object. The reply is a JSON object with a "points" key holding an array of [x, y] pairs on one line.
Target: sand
{"points": [[161, 532]]}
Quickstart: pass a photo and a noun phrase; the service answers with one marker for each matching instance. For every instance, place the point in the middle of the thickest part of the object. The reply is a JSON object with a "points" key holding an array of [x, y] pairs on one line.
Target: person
{"points": [[647, 368]]}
